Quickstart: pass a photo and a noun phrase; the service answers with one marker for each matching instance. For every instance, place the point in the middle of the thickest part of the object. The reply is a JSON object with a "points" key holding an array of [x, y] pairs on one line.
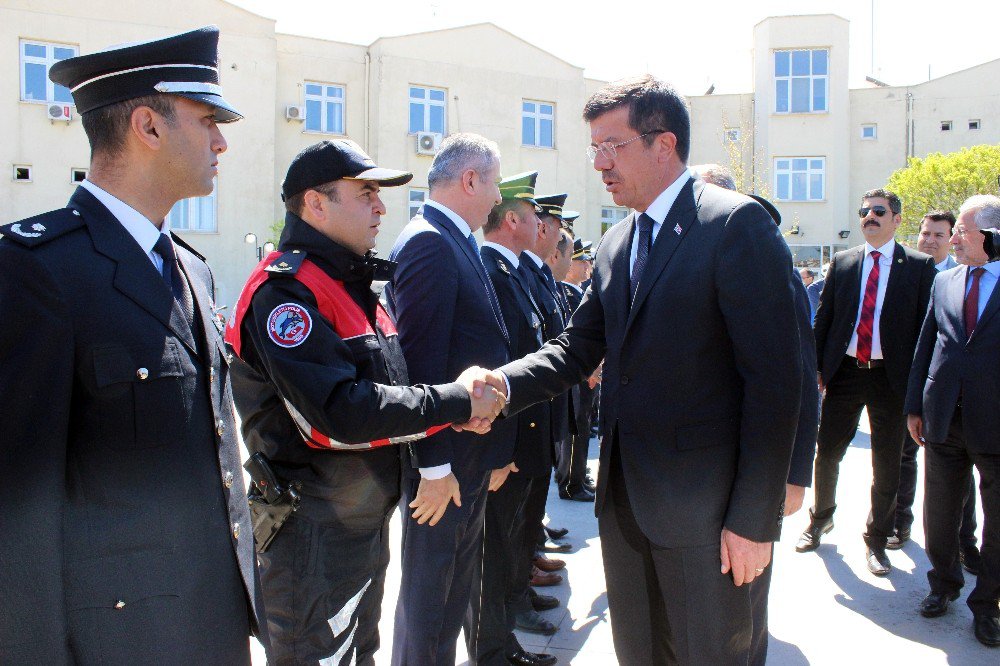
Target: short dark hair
{"points": [[895, 205], [652, 106], [107, 127], [941, 216], [499, 212], [294, 203], [565, 242]]}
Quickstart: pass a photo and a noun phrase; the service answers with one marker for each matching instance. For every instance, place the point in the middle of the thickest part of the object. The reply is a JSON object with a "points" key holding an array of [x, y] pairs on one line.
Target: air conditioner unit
{"points": [[428, 143], [295, 113], [63, 112]]}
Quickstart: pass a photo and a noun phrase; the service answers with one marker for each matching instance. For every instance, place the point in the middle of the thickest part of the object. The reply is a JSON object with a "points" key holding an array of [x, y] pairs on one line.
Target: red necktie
{"points": [[971, 308], [867, 322]]}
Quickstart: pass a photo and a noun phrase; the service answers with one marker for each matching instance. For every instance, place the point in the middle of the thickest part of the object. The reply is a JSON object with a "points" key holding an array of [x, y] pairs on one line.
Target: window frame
{"points": [[874, 128], [978, 124], [791, 171], [732, 134], [410, 191], [791, 76], [47, 61], [324, 100], [538, 116], [947, 125], [193, 207], [605, 224], [427, 103]]}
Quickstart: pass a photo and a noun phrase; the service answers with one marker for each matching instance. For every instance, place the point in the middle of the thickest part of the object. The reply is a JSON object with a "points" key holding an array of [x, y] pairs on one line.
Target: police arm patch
{"points": [[289, 325]]}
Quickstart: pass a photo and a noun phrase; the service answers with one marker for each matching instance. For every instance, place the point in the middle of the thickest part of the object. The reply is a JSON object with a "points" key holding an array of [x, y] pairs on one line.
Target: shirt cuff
{"points": [[436, 472], [507, 384]]}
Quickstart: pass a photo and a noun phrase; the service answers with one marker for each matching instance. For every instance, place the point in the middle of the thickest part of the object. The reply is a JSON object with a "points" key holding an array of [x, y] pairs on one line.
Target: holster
{"points": [[271, 500]]}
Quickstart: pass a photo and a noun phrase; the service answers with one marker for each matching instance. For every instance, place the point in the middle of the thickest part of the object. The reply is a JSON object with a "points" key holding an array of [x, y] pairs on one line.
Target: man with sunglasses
{"points": [[867, 323]]}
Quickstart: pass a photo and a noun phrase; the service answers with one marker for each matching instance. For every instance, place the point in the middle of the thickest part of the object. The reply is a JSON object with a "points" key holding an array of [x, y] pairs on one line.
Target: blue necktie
{"points": [[645, 240], [165, 248], [490, 294]]}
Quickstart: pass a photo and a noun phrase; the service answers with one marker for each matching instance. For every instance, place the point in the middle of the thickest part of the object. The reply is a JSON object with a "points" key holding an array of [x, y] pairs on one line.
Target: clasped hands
{"points": [[488, 392]]}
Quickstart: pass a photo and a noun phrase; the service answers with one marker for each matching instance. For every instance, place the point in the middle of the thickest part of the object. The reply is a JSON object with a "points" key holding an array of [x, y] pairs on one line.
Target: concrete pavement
{"points": [[825, 607]]}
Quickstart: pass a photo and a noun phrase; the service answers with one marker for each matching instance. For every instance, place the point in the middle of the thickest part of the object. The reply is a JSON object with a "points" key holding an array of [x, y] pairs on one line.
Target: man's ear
{"points": [[469, 178], [666, 143], [146, 126]]}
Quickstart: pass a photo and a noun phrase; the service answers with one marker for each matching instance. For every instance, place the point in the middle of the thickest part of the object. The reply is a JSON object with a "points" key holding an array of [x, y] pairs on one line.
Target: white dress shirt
{"points": [[885, 265], [456, 219], [505, 252], [987, 282], [943, 266], [658, 210], [141, 229]]}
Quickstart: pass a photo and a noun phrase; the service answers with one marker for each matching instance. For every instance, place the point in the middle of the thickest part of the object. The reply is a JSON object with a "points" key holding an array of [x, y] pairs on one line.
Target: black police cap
{"points": [[552, 204], [185, 65], [327, 161]]}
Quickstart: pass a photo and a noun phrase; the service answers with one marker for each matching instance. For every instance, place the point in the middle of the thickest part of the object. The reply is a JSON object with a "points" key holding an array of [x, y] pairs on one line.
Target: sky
{"points": [[691, 44]]}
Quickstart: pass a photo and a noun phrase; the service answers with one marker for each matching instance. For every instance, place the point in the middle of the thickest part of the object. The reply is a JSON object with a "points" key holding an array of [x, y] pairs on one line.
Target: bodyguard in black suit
{"points": [[866, 328], [952, 403], [690, 493], [448, 319], [126, 531]]}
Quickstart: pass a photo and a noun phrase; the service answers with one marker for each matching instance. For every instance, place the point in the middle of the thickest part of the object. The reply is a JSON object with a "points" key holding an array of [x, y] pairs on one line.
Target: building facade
{"points": [[801, 137]]}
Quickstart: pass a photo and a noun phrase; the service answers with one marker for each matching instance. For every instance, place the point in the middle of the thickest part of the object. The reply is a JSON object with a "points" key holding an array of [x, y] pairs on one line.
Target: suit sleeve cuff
{"points": [[436, 472]]}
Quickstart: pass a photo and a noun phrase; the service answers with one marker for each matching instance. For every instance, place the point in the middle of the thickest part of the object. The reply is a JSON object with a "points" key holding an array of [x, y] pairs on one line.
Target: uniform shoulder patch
{"points": [[43, 228], [289, 325], [503, 266], [287, 263]]}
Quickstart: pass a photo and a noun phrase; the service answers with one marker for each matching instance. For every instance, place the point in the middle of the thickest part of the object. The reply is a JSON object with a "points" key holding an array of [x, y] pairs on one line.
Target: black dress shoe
{"points": [[524, 658], [878, 561], [896, 541], [580, 495], [543, 602], [935, 604], [971, 559], [809, 540], [552, 546], [534, 623], [556, 532], [987, 629], [589, 484]]}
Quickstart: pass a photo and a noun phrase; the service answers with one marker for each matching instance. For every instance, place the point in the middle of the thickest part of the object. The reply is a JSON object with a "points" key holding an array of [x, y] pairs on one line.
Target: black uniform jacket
{"points": [[125, 534], [352, 390], [523, 318]]}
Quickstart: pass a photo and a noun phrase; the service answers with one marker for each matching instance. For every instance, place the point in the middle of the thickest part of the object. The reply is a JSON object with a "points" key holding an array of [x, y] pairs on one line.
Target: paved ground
{"points": [[825, 606]]}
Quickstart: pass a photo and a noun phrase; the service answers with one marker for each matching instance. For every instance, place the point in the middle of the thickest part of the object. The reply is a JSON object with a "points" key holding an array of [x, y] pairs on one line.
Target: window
{"points": [[945, 125], [324, 108], [417, 197], [813, 256], [536, 123], [197, 214], [21, 173], [800, 178], [427, 110], [77, 175], [869, 131], [732, 134], [974, 124], [800, 81], [611, 215], [36, 59]]}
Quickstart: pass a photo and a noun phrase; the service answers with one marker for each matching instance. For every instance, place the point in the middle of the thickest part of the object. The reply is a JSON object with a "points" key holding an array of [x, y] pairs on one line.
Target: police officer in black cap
{"points": [[125, 535], [322, 389]]}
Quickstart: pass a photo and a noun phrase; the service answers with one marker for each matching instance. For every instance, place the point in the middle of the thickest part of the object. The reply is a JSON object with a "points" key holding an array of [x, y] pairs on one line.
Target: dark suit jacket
{"points": [[813, 291], [122, 478], [702, 374], [800, 470], [947, 366], [533, 447], [903, 310], [446, 324]]}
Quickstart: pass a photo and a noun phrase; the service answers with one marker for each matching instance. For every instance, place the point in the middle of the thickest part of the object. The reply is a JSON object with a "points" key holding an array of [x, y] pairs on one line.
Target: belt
{"points": [[873, 363]]}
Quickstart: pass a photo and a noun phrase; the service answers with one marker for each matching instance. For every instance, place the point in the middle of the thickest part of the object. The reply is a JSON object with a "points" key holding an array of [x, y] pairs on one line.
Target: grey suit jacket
{"points": [[947, 366], [702, 373]]}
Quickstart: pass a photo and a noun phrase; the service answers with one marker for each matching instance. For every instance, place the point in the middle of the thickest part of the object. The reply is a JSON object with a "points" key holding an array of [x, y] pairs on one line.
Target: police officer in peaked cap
{"points": [[126, 532]]}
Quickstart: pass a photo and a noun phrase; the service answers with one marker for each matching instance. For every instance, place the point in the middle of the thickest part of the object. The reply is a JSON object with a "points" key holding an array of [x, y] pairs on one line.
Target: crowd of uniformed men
{"points": [[132, 540]]}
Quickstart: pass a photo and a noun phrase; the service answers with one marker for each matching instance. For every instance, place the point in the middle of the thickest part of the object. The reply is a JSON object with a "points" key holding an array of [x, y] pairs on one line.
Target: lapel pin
{"points": [[899, 261], [677, 229]]}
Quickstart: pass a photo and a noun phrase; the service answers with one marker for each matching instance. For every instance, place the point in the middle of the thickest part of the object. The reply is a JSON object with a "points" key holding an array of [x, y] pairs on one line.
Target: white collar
{"points": [[943, 265], [534, 258], [660, 208], [886, 250], [455, 218], [136, 224], [505, 252]]}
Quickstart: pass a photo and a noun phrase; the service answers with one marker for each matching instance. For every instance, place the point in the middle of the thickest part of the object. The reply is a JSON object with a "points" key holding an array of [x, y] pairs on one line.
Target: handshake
{"points": [[488, 392]]}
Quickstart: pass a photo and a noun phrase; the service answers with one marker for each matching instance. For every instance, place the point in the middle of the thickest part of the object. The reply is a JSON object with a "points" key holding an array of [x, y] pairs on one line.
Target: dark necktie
{"points": [[490, 294], [866, 324], [645, 241], [971, 308], [550, 282], [172, 276]]}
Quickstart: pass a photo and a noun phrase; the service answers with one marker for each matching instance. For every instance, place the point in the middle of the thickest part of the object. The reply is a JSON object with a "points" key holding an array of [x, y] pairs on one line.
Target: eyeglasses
{"points": [[610, 150], [878, 210]]}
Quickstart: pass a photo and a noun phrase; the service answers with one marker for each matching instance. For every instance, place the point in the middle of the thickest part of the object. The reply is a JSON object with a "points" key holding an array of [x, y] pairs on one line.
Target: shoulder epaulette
{"points": [[187, 247], [287, 263], [39, 229], [384, 269]]}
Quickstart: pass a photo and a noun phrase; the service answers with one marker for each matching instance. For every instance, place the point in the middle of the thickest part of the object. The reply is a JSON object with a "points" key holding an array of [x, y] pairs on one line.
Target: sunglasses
{"points": [[878, 210]]}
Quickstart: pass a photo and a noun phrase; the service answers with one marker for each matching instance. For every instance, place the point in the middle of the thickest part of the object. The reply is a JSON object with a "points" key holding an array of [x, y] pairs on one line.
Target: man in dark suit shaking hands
{"points": [[951, 404], [689, 495], [866, 328]]}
